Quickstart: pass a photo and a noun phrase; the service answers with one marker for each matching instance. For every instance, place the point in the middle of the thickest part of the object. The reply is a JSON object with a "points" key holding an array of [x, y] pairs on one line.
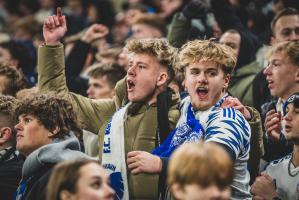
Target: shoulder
{"points": [[229, 116], [280, 161]]}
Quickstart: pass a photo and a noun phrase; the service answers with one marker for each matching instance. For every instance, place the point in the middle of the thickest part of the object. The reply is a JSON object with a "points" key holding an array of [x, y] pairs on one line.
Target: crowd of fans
{"points": [[149, 99]]}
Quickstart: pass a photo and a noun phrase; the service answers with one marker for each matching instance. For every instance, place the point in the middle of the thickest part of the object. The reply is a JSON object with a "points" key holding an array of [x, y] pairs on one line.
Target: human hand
{"points": [[143, 162], [231, 102], [195, 9], [273, 124], [264, 187], [54, 28], [94, 32]]}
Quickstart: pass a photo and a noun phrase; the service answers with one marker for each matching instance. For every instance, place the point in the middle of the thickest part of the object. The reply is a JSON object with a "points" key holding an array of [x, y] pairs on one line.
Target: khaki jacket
{"points": [[140, 126]]}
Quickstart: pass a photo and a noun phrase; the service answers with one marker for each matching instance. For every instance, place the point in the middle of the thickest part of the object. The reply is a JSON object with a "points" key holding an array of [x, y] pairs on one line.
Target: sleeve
{"points": [[178, 30], [228, 127], [51, 77]]}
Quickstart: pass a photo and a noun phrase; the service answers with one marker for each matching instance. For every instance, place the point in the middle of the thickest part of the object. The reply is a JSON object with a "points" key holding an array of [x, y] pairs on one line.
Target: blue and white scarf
{"points": [[113, 159], [188, 130]]}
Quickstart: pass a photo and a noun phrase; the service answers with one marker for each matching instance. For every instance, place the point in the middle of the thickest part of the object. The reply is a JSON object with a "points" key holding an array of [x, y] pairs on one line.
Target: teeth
{"points": [[131, 83], [201, 89]]}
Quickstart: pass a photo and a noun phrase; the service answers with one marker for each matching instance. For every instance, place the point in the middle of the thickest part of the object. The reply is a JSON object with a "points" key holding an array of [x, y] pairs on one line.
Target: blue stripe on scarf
{"points": [[189, 131]]}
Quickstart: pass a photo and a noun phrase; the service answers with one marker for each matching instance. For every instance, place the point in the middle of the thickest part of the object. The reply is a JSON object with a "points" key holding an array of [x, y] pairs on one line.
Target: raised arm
{"points": [[51, 75]]}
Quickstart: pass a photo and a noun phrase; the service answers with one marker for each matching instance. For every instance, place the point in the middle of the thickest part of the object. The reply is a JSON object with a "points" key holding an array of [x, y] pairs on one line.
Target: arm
{"points": [[51, 76], [181, 23]]}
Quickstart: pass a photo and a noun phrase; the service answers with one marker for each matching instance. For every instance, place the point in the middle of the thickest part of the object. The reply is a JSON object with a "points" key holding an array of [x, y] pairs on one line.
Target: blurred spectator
{"points": [[280, 179], [10, 161], [79, 179], [148, 26], [200, 171], [102, 80], [285, 27], [282, 74], [11, 80], [17, 54]]}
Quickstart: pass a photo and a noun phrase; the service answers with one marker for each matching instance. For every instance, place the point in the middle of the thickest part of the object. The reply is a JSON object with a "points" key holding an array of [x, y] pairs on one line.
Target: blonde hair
{"points": [[207, 50], [201, 163], [290, 48], [159, 48]]}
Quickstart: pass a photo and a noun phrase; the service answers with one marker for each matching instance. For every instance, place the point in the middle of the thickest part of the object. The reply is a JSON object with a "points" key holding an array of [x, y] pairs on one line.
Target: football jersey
{"points": [[286, 177], [228, 127]]}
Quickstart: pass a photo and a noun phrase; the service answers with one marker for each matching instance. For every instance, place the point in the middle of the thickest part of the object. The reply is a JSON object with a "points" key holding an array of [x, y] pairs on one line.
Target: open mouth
{"points": [[202, 92], [131, 85], [18, 137], [270, 83], [288, 128]]}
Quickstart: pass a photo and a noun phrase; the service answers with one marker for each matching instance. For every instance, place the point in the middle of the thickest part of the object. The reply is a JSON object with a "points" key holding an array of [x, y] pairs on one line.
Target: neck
{"points": [[295, 160]]}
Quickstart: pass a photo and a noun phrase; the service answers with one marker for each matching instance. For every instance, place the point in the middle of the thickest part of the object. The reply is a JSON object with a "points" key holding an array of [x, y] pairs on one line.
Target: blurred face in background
{"points": [[93, 184], [233, 40], [286, 29]]}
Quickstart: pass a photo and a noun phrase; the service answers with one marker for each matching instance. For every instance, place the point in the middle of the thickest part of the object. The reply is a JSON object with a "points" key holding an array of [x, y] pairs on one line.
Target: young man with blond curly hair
{"points": [[207, 66], [135, 126]]}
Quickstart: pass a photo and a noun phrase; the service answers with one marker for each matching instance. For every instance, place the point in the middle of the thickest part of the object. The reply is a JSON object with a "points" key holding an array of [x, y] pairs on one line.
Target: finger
{"points": [[133, 153], [56, 21], [47, 23], [136, 171], [133, 165], [52, 22], [59, 12], [131, 160], [272, 129], [270, 112], [274, 121], [264, 174]]}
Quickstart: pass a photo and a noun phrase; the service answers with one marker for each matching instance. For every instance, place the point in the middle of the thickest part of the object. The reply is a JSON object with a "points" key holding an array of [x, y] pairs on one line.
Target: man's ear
{"points": [[66, 195], [273, 40], [5, 135], [226, 81], [162, 79], [178, 191], [297, 75], [54, 132]]}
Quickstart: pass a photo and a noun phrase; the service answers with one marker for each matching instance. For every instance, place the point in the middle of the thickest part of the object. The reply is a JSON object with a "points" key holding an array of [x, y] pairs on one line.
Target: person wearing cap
{"points": [[281, 178]]}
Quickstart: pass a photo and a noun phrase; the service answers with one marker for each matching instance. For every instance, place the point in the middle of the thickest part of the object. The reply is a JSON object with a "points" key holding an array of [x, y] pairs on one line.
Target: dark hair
{"points": [[15, 80], [113, 72], [52, 111], [8, 105], [65, 176], [21, 53], [152, 20], [282, 13]]}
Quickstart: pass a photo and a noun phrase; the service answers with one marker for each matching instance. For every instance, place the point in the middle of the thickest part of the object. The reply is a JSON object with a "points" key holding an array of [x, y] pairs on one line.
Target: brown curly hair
{"points": [[15, 80], [52, 111], [8, 104]]}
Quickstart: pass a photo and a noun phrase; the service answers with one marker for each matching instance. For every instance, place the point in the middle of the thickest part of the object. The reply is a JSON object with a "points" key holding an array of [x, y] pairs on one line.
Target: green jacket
{"points": [[140, 126], [240, 85]]}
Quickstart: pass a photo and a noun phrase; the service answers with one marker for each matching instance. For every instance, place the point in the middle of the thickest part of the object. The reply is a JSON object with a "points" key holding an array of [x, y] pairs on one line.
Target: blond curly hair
{"points": [[159, 48], [207, 50]]}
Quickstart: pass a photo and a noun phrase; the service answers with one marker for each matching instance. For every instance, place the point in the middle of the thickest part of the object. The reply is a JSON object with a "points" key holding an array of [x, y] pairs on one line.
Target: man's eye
{"points": [[212, 73], [27, 120], [96, 184], [194, 72], [286, 33]]}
